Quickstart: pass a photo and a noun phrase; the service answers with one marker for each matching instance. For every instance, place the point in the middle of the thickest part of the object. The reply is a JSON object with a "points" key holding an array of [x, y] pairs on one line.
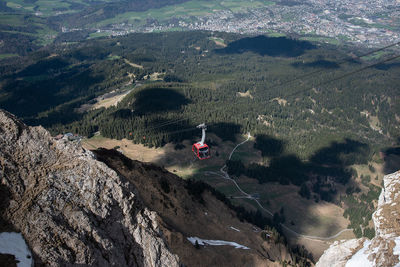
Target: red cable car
{"points": [[200, 149]]}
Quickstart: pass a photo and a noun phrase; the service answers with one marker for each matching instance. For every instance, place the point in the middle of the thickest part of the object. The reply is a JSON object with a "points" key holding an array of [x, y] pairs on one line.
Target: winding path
{"points": [[223, 174]]}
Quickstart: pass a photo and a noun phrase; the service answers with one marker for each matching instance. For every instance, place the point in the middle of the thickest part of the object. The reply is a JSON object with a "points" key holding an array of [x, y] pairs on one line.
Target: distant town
{"points": [[371, 24]]}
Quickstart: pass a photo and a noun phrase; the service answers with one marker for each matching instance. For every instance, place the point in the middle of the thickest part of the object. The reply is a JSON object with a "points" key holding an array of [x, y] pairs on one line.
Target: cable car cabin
{"points": [[201, 151]]}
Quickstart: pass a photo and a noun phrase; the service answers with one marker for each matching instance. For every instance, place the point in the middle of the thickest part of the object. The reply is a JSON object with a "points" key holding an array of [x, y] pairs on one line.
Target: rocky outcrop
{"points": [[71, 208], [384, 248]]}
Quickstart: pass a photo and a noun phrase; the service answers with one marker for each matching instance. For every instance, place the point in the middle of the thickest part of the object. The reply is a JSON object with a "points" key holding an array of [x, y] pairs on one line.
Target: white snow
{"points": [[360, 258], [396, 249], [338, 253], [14, 243], [233, 228], [202, 242]]}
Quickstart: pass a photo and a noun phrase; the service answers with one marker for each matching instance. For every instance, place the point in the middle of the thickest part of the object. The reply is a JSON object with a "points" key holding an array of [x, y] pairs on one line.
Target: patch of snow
{"points": [[390, 182], [202, 242], [360, 258], [338, 253], [396, 249], [233, 228], [14, 243]]}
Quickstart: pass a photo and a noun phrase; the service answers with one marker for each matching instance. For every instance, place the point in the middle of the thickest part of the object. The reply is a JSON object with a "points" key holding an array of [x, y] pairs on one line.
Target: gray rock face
{"points": [[71, 208]]}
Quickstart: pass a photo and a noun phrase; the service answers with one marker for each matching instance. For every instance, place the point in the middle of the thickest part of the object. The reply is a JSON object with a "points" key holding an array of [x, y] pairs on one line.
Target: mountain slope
{"points": [[186, 212], [73, 209]]}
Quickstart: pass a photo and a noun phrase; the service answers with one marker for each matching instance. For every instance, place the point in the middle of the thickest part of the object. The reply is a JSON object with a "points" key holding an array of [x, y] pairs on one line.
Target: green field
{"points": [[98, 34], [11, 19], [43, 7], [321, 39], [184, 10], [7, 55]]}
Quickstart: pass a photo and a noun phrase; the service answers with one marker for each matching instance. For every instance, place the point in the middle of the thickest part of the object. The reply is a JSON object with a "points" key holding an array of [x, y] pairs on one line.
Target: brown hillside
{"points": [[183, 215]]}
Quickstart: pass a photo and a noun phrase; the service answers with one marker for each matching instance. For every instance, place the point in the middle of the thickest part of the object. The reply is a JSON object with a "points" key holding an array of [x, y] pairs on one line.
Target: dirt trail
{"points": [[223, 174]]}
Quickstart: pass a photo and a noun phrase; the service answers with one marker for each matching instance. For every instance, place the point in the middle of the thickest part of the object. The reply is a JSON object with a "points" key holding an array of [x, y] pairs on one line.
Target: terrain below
{"points": [[314, 225]]}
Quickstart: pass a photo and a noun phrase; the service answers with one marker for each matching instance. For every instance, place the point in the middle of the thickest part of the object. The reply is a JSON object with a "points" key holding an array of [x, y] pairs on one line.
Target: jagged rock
{"points": [[384, 248], [71, 208]]}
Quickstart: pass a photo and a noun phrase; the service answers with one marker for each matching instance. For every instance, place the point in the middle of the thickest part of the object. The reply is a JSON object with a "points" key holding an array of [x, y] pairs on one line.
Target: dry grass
{"points": [[133, 64], [129, 149], [111, 101], [317, 247], [180, 162], [365, 171], [156, 76], [310, 218], [374, 123], [280, 101], [219, 43], [246, 94]]}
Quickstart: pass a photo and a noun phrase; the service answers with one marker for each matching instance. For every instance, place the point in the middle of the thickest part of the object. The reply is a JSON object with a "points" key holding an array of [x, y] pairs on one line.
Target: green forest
{"points": [[257, 84], [315, 108]]}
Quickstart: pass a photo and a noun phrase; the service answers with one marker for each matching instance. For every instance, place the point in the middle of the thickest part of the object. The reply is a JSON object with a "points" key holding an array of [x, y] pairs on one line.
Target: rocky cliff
{"points": [[71, 208], [384, 248]]}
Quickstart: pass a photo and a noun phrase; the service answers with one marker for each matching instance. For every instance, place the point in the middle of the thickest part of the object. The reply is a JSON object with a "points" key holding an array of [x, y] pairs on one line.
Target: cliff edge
{"points": [[70, 208]]}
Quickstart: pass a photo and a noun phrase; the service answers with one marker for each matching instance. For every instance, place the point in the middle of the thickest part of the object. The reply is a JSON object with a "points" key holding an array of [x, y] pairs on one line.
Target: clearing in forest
{"points": [[133, 64]]}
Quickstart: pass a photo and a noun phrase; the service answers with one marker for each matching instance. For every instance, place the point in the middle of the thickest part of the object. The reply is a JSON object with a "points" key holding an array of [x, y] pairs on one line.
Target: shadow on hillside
{"points": [[387, 66], [270, 46], [291, 3], [321, 63], [317, 177], [391, 157], [5, 195], [225, 131], [157, 100], [49, 66], [269, 146], [46, 85], [341, 154]]}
